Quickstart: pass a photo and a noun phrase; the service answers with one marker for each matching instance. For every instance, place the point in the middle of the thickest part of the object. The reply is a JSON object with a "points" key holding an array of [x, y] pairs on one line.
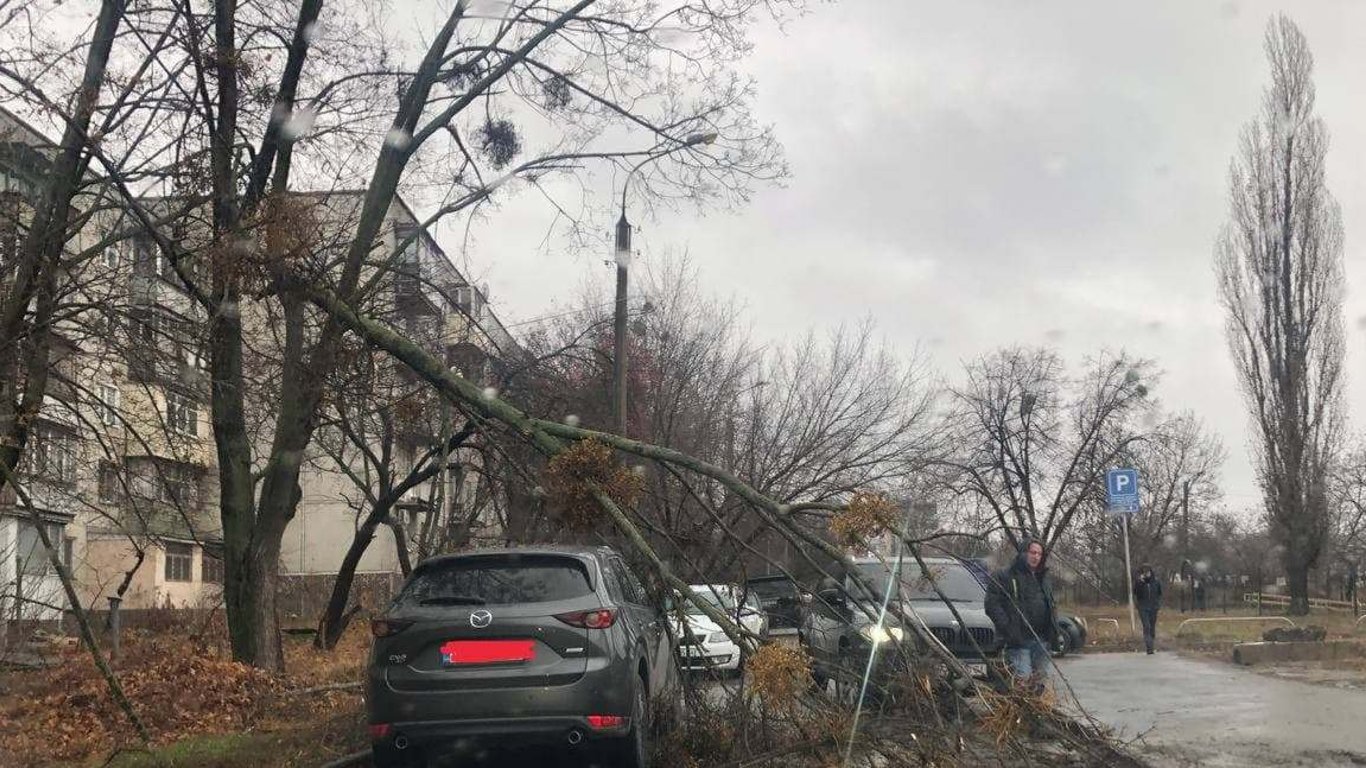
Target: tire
{"points": [[1077, 636], [1060, 644], [634, 749]]}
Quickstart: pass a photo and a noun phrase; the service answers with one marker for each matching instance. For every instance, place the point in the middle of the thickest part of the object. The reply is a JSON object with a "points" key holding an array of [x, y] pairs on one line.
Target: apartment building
{"points": [[121, 465]]}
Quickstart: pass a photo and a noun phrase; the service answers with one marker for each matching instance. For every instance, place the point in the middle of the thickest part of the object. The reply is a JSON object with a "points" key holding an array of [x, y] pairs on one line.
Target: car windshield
{"points": [[955, 581], [722, 600], [497, 580]]}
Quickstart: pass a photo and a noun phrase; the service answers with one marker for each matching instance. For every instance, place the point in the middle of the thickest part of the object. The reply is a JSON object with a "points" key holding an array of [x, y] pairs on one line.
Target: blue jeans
{"points": [[1029, 662]]}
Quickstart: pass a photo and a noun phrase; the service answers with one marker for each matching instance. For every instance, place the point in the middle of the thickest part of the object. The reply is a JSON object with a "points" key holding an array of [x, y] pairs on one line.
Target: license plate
{"points": [[460, 652], [692, 652]]}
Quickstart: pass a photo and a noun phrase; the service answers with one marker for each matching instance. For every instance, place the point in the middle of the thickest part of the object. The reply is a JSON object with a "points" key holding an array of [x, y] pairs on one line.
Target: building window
{"points": [[179, 485], [182, 414], [146, 327], [109, 405], [179, 562], [110, 487], [33, 559], [52, 454], [212, 570]]}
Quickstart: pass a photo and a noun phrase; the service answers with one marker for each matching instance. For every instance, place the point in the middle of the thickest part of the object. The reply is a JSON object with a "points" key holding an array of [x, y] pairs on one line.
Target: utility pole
{"points": [[622, 254], [623, 258]]}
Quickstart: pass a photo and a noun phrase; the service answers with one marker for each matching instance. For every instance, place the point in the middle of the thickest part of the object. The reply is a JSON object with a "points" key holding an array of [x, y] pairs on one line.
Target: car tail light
{"points": [[379, 731], [487, 651], [387, 627], [601, 722], [602, 618]]}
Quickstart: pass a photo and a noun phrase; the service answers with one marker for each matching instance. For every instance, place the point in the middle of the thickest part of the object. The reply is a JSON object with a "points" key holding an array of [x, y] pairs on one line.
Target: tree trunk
{"points": [[1297, 579], [405, 563], [334, 618]]}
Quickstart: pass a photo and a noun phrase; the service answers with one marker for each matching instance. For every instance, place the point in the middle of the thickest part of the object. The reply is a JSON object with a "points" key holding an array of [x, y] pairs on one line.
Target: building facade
{"points": [[121, 464]]}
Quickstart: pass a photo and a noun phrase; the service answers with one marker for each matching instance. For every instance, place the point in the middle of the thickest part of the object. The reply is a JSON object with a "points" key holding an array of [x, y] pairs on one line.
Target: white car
{"points": [[703, 645]]}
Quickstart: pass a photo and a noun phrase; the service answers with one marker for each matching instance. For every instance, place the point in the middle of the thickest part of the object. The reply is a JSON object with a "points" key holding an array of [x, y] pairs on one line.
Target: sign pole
{"points": [[1129, 571]]}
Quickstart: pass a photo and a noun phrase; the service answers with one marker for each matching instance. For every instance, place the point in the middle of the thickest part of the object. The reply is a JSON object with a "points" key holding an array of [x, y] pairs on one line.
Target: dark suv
{"points": [[552, 644], [840, 631], [781, 599]]}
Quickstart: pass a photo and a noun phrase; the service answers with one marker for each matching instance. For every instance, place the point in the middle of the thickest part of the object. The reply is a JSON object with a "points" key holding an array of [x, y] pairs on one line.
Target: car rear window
{"points": [[498, 580], [775, 588]]}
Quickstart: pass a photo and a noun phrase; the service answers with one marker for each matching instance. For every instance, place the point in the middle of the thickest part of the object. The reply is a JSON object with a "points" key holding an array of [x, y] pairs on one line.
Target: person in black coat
{"points": [[1020, 603], [1148, 600]]}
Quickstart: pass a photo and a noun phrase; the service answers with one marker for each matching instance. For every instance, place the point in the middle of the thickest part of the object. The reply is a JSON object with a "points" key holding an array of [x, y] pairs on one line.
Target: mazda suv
{"points": [[556, 645]]}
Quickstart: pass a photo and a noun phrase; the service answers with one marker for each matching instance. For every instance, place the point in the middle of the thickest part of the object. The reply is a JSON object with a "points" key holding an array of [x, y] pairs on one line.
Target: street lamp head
{"points": [[622, 249], [699, 138]]}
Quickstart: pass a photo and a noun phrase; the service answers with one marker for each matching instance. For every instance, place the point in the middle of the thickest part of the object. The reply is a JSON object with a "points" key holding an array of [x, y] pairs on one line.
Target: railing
{"points": [[1101, 620], [1183, 624], [1254, 598]]}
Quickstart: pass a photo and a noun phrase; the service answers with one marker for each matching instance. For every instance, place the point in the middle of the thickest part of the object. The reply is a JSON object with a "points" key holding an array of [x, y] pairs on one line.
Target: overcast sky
{"points": [[979, 174]]}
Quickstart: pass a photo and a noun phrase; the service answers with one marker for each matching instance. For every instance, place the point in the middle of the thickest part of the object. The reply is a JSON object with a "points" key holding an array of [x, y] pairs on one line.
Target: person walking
{"points": [[1148, 600], [1020, 604]]}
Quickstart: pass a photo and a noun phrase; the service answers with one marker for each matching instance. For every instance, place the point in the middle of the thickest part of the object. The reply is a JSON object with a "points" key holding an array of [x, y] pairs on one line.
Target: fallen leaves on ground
{"points": [[182, 687]]}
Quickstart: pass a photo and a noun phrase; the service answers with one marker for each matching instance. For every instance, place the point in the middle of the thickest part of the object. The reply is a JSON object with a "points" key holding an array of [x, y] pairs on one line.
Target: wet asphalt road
{"points": [[1208, 713]]}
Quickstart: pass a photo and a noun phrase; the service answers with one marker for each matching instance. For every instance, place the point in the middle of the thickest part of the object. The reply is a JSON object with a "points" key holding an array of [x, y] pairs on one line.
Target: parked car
{"points": [[840, 631], [556, 645], [781, 599], [701, 642]]}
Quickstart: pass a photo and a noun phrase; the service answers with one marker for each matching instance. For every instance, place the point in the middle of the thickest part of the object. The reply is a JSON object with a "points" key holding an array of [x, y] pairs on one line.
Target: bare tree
{"points": [[1279, 263], [814, 421], [1033, 444], [1179, 463]]}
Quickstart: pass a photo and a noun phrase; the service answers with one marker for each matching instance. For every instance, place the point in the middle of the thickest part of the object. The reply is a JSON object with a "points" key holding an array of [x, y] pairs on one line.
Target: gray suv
{"points": [[557, 645], [840, 633]]}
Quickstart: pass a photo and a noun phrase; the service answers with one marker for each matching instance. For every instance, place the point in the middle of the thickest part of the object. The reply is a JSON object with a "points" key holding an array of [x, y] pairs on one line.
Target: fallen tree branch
{"points": [[355, 758], [321, 689]]}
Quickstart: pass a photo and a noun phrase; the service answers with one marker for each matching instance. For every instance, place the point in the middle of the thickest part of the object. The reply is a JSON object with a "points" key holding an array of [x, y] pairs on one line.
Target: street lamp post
{"points": [[622, 253]]}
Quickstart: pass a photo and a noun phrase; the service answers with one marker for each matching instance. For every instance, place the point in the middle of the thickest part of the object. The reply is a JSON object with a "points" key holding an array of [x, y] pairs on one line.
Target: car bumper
{"points": [[718, 656], [553, 710]]}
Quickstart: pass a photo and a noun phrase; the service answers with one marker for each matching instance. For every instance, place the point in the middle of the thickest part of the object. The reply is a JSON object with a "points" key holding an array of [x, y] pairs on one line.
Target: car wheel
{"points": [[635, 748], [1060, 644], [1077, 634]]}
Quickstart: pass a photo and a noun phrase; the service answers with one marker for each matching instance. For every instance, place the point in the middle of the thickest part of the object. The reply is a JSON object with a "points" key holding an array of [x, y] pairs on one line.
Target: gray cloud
{"points": [[973, 174]]}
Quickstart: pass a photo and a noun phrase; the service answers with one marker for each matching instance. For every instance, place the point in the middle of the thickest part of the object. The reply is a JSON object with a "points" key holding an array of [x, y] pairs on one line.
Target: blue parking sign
{"points": [[1121, 491]]}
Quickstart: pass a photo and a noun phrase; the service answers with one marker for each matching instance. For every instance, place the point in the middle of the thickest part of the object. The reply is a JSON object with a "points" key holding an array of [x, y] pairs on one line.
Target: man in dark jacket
{"points": [[1148, 599], [1020, 604]]}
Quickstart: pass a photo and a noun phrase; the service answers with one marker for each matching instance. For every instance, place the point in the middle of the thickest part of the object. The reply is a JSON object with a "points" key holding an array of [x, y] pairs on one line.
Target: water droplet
{"points": [[311, 32], [488, 7], [571, 420], [1202, 566], [490, 393], [397, 138], [1361, 322], [299, 124], [1169, 540], [1055, 334]]}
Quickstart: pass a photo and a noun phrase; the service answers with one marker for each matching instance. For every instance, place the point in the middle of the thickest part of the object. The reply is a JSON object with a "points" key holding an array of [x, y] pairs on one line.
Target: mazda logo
{"points": [[480, 619]]}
